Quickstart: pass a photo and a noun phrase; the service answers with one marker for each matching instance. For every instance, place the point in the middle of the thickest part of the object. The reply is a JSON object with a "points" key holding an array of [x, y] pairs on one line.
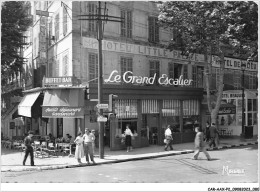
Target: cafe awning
{"points": [[26, 105], [63, 103]]}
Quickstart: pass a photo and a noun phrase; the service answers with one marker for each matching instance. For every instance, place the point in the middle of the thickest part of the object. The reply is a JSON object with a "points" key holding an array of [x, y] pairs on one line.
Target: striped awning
{"points": [[25, 106], [150, 107], [126, 108], [171, 108], [190, 107]]}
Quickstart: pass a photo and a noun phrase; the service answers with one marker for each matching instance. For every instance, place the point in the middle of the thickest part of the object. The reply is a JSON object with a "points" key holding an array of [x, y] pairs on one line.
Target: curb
{"points": [[130, 159]]}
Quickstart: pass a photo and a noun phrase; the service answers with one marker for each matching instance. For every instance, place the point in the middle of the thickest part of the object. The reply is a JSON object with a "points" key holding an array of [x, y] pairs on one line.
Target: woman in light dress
{"points": [[79, 153]]}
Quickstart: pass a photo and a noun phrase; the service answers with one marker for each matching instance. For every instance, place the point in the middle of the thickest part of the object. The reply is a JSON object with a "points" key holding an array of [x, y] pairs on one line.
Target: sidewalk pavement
{"points": [[11, 160]]}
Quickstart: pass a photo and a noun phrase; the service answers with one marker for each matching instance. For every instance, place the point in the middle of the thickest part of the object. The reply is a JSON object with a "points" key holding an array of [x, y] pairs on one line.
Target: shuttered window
{"points": [[93, 67], [126, 64], [57, 69], [57, 27], [153, 29], [50, 32], [92, 10], [171, 70], [155, 68], [126, 24], [237, 79], [185, 72], [50, 67], [65, 21], [194, 76], [65, 64], [252, 80]]}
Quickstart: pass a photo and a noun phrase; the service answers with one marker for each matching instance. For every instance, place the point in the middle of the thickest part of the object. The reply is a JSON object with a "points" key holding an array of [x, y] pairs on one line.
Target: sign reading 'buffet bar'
{"points": [[60, 112]]}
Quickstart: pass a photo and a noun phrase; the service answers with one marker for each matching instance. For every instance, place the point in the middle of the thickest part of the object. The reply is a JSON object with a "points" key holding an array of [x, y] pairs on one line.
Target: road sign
{"points": [[102, 106], [42, 13], [102, 119]]}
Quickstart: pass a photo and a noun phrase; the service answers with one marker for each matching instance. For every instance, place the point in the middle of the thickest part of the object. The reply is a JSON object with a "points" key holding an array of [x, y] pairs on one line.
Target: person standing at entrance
{"points": [[168, 137], [128, 138], [199, 144], [213, 132], [29, 149], [79, 153], [88, 140]]}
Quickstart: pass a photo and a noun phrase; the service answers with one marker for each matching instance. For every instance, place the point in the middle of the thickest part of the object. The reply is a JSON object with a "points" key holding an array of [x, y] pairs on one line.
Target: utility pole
{"points": [[100, 29]]}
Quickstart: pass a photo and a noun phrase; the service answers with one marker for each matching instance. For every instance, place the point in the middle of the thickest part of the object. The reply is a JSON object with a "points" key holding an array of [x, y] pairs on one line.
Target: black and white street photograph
{"points": [[129, 96]]}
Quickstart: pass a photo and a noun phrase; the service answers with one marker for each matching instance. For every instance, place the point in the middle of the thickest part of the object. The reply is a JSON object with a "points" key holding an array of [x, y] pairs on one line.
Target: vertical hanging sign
{"points": [[42, 39]]}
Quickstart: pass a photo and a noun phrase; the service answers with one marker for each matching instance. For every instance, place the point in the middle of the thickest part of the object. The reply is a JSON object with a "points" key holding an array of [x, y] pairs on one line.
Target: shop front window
{"points": [[190, 122], [254, 105], [255, 118], [249, 104], [131, 122], [174, 122]]}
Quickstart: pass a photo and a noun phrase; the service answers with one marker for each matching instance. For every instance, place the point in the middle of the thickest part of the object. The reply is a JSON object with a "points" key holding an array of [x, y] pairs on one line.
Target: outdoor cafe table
{"points": [[64, 145]]}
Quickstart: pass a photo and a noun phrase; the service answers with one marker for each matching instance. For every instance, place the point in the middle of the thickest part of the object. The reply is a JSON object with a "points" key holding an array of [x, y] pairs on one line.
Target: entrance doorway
{"points": [[152, 122]]}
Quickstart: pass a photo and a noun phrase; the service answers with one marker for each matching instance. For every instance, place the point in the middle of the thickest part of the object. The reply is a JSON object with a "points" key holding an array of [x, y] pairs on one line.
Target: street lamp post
{"points": [[243, 67]]}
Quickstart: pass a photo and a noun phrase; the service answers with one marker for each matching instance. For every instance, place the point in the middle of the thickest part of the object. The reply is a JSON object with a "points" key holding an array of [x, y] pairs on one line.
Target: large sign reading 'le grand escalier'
{"points": [[60, 112], [128, 77]]}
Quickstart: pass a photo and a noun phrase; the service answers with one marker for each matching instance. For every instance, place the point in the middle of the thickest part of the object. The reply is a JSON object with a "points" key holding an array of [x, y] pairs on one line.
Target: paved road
{"points": [[172, 169]]}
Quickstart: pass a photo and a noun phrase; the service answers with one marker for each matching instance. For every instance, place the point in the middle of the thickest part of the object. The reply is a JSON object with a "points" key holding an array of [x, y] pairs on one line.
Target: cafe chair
{"points": [[22, 148], [37, 149], [66, 148], [52, 149], [45, 150]]}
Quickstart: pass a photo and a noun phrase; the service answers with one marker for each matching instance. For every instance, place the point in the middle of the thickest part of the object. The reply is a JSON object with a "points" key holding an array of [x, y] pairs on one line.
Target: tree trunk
{"points": [[214, 112], [208, 73]]}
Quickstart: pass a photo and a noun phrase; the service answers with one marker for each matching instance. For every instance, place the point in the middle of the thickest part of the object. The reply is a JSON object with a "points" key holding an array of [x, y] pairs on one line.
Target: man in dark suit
{"points": [[29, 149], [212, 132], [200, 144]]}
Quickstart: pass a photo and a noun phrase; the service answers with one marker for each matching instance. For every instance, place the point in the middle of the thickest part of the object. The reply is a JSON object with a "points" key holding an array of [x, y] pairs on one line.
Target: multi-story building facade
{"points": [[155, 86]]}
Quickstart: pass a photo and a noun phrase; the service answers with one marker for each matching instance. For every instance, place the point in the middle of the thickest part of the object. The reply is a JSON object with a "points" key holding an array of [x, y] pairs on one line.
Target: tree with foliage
{"points": [[15, 21], [208, 27]]}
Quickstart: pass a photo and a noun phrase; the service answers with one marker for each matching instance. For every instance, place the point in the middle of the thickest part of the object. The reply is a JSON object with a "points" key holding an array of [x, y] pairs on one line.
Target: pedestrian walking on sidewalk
{"points": [[79, 153], [88, 138], [199, 144], [213, 132], [128, 138], [29, 149], [168, 138]]}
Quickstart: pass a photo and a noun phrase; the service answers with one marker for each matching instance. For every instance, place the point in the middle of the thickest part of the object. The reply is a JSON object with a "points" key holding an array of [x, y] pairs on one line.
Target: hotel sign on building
{"points": [[231, 63], [120, 47]]}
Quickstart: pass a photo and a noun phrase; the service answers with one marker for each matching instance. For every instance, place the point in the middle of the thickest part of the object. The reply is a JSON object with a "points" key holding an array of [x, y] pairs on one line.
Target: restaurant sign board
{"points": [[66, 80], [62, 112], [128, 77]]}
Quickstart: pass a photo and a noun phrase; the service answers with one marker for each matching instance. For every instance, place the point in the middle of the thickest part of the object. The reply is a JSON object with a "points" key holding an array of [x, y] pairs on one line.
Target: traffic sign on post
{"points": [[102, 106]]}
